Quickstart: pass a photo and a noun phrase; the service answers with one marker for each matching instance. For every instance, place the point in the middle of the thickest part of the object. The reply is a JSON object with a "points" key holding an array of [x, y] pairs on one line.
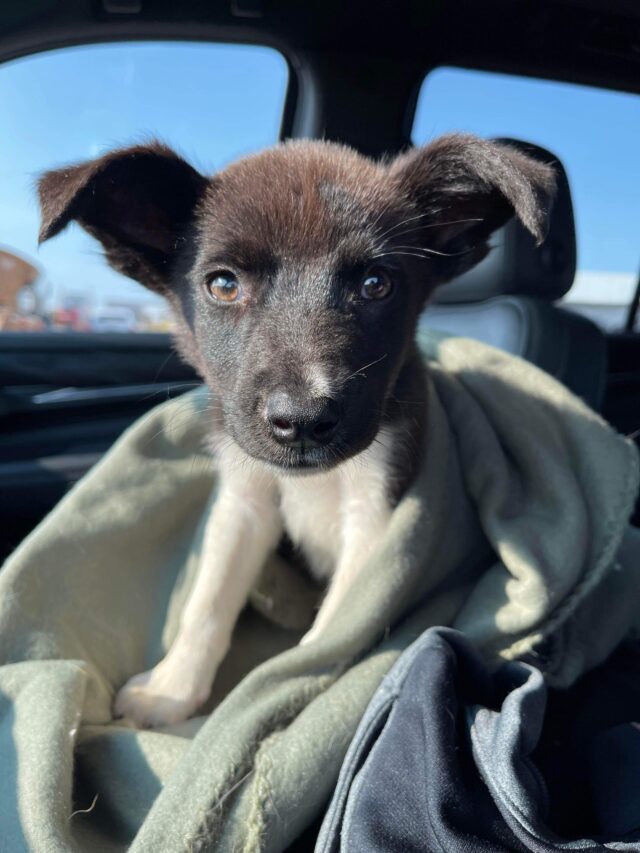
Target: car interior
{"points": [[355, 74]]}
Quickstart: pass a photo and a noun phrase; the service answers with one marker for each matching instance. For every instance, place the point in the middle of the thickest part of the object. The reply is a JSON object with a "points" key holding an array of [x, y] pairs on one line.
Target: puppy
{"points": [[297, 277]]}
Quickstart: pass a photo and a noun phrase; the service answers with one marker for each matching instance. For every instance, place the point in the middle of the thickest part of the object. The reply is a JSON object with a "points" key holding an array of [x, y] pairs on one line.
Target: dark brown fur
{"points": [[299, 225]]}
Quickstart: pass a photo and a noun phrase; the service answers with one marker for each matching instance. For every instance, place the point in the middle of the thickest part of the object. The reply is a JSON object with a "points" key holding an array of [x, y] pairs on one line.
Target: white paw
{"points": [[162, 696]]}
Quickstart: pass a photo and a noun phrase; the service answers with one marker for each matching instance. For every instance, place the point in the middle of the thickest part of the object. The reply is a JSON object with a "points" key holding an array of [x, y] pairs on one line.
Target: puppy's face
{"points": [[296, 303], [298, 275]]}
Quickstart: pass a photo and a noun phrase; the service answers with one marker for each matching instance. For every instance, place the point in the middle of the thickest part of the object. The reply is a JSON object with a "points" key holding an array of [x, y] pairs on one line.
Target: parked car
{"points": [[113, 319]]}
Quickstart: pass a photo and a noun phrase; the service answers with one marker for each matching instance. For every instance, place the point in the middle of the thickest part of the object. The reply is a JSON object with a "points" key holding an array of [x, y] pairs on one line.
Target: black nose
{"points": [[302, 422]]}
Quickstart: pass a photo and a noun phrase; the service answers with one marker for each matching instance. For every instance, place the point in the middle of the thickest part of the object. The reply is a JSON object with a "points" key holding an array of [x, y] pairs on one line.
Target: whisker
{"points": [[407, 402], [454, 222], [400, 254], [385, 209], [168, 390], [400, 224], [364, 367], [426, 250], [429, 225]]}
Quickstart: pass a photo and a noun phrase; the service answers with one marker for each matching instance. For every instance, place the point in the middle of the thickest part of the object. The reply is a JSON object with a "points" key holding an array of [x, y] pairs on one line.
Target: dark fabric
{"points": [[452, 759], [589, 751]]}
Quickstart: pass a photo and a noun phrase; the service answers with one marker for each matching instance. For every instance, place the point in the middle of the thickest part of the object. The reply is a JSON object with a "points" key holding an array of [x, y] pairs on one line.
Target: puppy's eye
{"points": [[376, 284], [223, 286]]}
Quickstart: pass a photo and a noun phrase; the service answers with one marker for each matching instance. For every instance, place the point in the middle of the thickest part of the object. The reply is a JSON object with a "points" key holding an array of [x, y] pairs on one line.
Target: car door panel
{"points": [[64, 400]]}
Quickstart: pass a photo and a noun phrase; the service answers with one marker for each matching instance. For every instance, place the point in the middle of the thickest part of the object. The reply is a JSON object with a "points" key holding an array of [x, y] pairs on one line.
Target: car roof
{"points": [[375, 53]]}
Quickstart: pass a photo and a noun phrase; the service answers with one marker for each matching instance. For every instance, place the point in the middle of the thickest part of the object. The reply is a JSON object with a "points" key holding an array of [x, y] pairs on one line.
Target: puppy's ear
{"points": [[463, 189], [136, 201]]}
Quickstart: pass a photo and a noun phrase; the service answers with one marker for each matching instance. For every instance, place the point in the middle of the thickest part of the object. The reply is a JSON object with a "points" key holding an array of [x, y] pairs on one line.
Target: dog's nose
{"points": [[298, 422]]}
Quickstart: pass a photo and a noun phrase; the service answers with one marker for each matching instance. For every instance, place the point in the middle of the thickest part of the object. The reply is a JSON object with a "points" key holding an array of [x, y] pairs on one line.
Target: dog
{"points": [[297, 277]]}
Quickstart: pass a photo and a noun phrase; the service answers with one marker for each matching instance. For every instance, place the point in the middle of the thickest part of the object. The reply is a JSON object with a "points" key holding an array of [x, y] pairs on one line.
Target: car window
{"points": [[211, 102], [595, 134]]}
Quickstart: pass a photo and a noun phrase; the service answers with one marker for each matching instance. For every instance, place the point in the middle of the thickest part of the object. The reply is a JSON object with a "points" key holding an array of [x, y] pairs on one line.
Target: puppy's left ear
{"points": [[136, 201], [463, 188]]}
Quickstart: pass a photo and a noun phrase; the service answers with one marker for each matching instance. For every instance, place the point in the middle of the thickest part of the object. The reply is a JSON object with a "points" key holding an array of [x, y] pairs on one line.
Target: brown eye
{"points": [[376, 284], [223, 286]]}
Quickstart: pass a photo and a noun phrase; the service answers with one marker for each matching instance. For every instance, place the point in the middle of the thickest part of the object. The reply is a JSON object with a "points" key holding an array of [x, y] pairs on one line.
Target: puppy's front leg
{"points": [[244, 527], [366, 512], [351, 561]]}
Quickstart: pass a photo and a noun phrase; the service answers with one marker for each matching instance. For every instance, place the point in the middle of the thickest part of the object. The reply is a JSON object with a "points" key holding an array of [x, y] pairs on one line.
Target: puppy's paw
{"points": [[162, 696]]}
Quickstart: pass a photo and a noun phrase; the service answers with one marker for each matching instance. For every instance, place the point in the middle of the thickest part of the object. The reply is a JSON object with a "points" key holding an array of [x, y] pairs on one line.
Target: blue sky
{"points": [[212, 103], [216, 102], [594, 132]]}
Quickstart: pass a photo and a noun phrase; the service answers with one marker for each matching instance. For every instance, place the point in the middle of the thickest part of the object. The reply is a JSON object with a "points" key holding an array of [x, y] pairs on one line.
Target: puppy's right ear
{"points": [[136, 201]]}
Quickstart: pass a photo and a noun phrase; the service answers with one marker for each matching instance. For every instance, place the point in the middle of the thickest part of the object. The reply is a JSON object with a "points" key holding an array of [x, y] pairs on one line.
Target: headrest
{"points": [[515, 265]]}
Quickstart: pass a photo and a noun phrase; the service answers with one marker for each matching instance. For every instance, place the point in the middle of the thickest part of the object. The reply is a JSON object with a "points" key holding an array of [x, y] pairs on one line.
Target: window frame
{"points": [[299, 82], [516, 71]]}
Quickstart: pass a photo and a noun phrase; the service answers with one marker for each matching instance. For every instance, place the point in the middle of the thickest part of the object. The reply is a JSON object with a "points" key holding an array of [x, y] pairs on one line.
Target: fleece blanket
{"points": [[514, 530]]}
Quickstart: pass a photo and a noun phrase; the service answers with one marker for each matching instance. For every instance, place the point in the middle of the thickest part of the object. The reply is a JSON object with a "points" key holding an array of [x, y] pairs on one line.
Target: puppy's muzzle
{"points": [[298, 423]]}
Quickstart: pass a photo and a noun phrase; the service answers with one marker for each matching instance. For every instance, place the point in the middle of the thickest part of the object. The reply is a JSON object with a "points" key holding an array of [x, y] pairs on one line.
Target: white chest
{"points": [[313, 515], [335, 518], [342, 513]]}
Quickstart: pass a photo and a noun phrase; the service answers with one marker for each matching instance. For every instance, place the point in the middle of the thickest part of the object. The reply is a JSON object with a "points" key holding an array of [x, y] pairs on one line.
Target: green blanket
{"points": [[515, 530]]}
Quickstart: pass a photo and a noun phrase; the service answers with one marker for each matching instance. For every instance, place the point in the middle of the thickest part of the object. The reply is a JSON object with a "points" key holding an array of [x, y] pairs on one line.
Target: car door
{"points": [[71, 382]]}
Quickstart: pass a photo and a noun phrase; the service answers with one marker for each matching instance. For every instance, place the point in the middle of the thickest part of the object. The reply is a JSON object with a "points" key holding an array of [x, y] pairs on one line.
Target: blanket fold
{"points": [[515, 525]]}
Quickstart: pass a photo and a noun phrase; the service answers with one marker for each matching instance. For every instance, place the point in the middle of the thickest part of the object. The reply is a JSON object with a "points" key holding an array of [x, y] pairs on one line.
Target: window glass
{"points": [[211, 102], [595, 134]]}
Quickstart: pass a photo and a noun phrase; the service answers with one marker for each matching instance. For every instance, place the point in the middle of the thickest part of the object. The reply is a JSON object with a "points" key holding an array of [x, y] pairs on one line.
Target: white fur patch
{"points": [[318, 381], [324, 513], [336, 518]]}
